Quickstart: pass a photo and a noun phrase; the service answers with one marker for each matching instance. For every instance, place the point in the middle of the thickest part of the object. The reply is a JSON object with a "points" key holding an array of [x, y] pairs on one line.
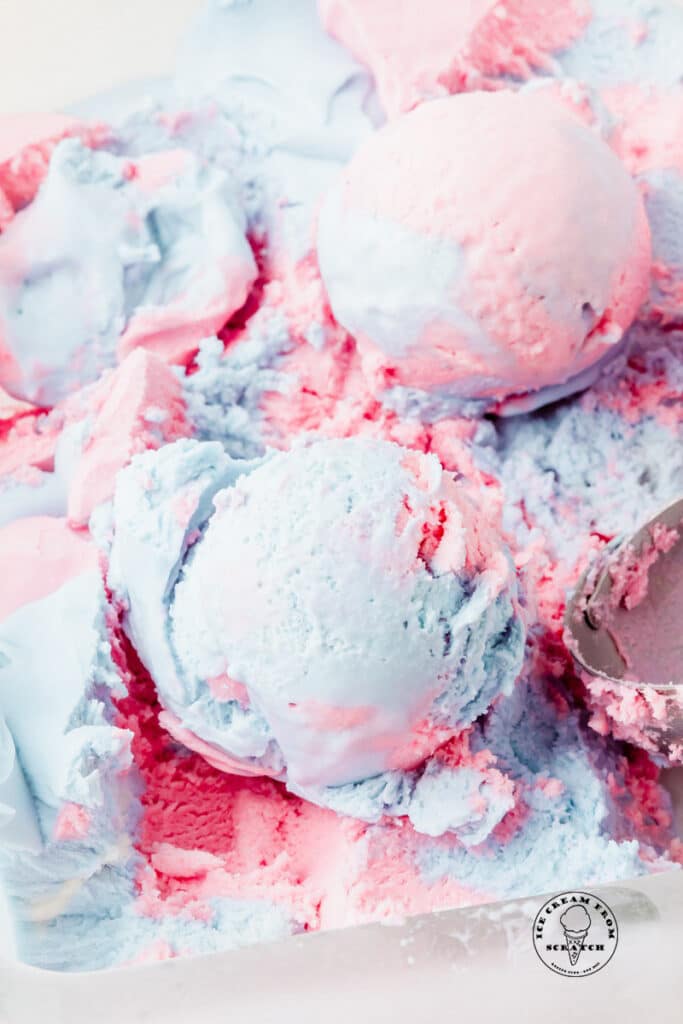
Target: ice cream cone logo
{"points": [[575, 942], [575, 934], [575, 922]]}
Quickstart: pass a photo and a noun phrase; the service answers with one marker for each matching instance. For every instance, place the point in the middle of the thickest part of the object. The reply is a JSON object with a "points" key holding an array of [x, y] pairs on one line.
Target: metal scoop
{"points": [[624, 622]]}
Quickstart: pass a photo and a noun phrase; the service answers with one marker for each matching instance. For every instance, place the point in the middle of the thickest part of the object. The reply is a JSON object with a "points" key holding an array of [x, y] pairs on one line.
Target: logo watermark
{"points": [[575, 934]]}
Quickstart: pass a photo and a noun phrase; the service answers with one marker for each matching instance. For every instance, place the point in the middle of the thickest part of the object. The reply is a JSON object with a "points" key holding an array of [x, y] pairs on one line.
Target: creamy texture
{"points": [[424, 51], [17, 815], [491, 282], [140, 408], [627, 42], [49, 634], [26, 146], [57, 683], [249, 52], [296, 121], [160, 831], [327, 643], [158, 247]]}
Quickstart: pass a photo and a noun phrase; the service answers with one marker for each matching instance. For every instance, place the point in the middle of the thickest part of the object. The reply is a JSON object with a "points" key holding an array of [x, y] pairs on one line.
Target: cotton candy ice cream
{"points": [[424, 51], [65, 769], [346, 609], [17, 815], [301, 120], [484, 246], [250, 693], [420, 52], [348, 618], [157, 245], [26, 146]]}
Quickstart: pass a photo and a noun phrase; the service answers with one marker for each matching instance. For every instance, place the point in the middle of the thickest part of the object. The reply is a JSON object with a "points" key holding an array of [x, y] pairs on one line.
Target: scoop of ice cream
{"points": [[647, 133], [113, 254], [427, 50], [576, 919], [344, 617], [328, 616], [483, 246]]}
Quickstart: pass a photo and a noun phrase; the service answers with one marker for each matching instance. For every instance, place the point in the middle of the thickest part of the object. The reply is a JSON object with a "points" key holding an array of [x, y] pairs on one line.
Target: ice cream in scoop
{"points": [[484, 246]]}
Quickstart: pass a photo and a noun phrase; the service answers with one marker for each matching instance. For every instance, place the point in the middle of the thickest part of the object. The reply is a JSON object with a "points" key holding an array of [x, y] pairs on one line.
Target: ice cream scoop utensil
{"points": [[624, 621]]}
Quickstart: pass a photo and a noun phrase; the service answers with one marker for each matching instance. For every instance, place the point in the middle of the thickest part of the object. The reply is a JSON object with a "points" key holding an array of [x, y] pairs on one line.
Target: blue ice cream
{"points": [[157, 246]]}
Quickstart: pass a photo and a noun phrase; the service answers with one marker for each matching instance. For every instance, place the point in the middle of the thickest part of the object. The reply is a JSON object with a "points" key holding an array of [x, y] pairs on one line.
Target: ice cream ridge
{"points": [[322, 384]]}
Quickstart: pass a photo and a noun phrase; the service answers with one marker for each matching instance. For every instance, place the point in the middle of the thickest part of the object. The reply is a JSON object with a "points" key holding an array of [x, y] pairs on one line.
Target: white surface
{"points": [[469, 965], [57, 51]]}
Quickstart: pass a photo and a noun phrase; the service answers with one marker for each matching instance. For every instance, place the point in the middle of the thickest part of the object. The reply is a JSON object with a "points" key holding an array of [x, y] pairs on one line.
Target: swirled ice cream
{"points": [[281, 593], [327, 616], [157, 246], [483, 246]]}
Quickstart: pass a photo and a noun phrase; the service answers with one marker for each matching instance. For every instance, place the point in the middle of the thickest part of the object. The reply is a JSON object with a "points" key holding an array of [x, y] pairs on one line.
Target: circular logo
{"points": [[575, 934]]}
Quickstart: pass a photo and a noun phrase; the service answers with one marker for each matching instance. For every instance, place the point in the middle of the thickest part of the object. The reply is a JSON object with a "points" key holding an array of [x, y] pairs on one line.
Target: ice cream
{"points": [[296, 121], [327, 642], [17, 816], [458, 278], [26, 147], [575, 923], [158, 245], [424, 51], [419, 52], [281, 602], [58, 680], [622, 626], [151, 852]]}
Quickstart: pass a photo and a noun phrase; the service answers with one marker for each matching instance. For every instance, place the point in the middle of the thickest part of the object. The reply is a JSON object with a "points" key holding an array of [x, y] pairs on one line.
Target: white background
{"points": [[55, 52]]}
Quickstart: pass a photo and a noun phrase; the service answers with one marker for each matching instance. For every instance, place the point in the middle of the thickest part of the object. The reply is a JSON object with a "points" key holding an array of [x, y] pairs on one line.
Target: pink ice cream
{"points": [[140, 407], [26, 145], [419, 51], [483, 246]]}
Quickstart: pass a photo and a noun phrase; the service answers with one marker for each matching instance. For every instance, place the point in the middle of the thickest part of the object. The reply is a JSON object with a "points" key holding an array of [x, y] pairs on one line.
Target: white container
{"points": [[474, 965]]}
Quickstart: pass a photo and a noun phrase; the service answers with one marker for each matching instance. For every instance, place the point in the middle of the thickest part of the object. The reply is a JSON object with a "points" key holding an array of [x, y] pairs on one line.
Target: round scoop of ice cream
{"points": [[350, 590], [483, 246], [322, 616]]}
